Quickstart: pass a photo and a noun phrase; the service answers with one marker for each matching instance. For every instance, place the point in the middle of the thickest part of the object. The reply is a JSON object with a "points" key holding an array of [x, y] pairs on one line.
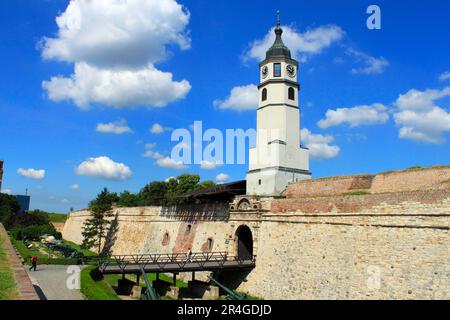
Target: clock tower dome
{"points": [[278, 159]]}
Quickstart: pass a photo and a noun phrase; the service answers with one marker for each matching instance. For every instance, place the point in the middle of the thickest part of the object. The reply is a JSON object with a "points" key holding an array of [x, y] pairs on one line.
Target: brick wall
{"points": [[436, 178]]}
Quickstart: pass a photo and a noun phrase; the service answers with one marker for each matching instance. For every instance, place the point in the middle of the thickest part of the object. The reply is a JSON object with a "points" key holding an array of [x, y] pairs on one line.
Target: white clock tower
{"points": [[278, 159]]}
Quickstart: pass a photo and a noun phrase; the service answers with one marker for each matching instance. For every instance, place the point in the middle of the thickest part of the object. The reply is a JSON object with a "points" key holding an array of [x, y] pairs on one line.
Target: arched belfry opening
{"points": [[244, 241]]}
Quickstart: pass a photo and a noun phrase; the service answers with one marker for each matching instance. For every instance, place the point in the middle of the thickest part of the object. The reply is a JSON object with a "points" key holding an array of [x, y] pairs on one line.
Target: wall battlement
{"points": [[414, 179]]}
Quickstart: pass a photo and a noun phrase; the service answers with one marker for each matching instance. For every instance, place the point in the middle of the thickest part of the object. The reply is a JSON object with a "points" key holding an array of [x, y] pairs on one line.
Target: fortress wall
{"points": [[327, 247], [319, 258], [434, 178]]}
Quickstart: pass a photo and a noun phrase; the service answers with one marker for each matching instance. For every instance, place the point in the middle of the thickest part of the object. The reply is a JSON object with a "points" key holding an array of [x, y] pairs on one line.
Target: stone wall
{"points": [[435, 178], [380, 245]]}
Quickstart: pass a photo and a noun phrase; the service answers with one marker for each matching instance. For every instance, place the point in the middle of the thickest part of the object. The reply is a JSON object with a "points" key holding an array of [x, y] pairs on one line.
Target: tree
{"points": [[8, 206], [154, 193], [96, 228], [128, 200]]}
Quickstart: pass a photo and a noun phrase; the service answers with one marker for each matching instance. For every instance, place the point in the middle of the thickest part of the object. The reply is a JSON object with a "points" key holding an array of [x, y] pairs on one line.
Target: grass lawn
{"points": [[56, 217], [86, 252], [96, 290], [42, 258], [8, 289]]}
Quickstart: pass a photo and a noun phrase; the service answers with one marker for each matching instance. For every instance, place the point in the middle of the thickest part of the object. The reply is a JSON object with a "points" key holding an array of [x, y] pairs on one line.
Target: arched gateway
{"points": [[244, 240]]}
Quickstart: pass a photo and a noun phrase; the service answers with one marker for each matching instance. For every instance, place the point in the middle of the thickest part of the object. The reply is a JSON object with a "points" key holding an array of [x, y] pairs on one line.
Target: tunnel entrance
{"points": [[244, 242]]}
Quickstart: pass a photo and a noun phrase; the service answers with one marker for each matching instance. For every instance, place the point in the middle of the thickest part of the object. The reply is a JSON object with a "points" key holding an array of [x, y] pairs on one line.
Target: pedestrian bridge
{"points": [[174, 263]]}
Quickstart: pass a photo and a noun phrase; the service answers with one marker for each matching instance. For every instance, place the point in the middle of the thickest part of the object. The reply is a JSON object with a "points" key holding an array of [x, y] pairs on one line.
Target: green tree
{"points": [[154, 193], [8, 206], [206, 184], [128, 200], [95, 229]]}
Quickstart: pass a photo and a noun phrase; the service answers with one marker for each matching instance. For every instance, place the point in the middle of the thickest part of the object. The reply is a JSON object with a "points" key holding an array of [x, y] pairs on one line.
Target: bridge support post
{"points": [[174, 279], [193, 276], [138, 279]]}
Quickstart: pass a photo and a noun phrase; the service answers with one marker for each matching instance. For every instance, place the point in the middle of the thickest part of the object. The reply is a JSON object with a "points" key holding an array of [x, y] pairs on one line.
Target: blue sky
{"points": [[383, 95]]}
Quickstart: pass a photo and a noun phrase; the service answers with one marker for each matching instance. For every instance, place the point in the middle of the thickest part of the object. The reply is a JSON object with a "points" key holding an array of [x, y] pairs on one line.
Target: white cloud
{"points": [[32, 173], [171, 164], [222, 177], [419, 118], [158, 129], [444, 76], [355, 116], [207, 165], [150, 153], [104, 167], [319, 145], [75, 187], [111, 33], [117, 88], [241, 98], [118, 127], [371, 65], [65, 201], [114, 45], [7, 191], [302, 45]]}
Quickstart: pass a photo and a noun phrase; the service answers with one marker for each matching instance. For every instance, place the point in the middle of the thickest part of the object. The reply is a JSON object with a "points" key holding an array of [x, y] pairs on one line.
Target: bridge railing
{"points": [[200, 260]]}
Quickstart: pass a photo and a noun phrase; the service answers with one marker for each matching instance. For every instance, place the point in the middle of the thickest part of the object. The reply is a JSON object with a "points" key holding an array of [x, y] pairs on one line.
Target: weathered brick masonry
{"points": [[380, 236]]}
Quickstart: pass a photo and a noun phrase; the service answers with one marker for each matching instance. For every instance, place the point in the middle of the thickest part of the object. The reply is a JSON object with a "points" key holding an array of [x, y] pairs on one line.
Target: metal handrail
{"points": [[181, 259]]}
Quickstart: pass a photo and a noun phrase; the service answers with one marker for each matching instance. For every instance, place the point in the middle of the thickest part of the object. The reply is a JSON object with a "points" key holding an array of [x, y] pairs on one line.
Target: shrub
{"points": [[34, 232]]}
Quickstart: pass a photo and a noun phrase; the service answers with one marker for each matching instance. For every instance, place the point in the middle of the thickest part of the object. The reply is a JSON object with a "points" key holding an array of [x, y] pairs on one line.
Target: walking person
{"points": [[34, 261], [189, 255]]}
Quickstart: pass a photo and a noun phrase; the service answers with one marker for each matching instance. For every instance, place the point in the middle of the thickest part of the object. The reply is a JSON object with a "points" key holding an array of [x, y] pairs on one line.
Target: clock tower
{"points": [[278, 159]]}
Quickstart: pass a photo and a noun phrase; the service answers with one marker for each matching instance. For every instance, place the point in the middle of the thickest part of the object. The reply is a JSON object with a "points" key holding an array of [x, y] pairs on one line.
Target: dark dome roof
{"points": [[278, 50]]}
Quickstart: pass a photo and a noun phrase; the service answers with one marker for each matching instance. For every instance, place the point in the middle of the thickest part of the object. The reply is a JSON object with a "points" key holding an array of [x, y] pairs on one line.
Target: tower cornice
{"points": [[270, 81]]}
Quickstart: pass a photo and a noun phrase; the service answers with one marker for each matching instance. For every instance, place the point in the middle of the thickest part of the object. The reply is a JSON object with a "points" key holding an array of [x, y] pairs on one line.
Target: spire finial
{"points": [[278, 18]]}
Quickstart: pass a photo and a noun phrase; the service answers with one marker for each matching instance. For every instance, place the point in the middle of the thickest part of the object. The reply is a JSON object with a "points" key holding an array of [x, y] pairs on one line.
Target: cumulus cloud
{"points": [[150, 153], [208, 165], [111, 33], [114, 45], [241, 98], [370, 65], [302, 45], [420, 118], [118, 127], [222, 177], [32, 173], [444, 76], [104, 167], [171, 164], [75, 187], [355, 116], [158, 129], [319, 145], [117, 88]]}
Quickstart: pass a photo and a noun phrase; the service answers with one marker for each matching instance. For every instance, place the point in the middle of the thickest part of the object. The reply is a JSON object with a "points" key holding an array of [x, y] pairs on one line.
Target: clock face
{"points": [[291, 70], [265, 72]]}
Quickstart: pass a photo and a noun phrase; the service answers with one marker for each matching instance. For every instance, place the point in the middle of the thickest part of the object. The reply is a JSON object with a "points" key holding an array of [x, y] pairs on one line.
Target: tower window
{"points": [[291, 94], [260, 182], [277, 69], [264, 94]]}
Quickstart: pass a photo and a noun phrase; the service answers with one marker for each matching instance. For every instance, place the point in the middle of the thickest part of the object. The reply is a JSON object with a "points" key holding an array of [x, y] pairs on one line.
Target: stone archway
{"points": [[244, 242]]}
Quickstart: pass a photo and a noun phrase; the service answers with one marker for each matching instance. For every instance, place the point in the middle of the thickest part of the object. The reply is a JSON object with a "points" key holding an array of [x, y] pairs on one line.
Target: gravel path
{"points": [[53, 282]]}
